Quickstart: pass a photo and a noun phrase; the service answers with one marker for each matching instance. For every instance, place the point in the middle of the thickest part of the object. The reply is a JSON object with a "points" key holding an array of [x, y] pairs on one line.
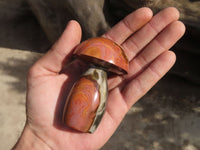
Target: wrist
{"points": [[29, 140]]}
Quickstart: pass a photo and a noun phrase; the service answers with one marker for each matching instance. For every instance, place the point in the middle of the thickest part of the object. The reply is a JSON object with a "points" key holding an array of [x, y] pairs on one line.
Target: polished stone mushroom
{"points": [[86, 102]]}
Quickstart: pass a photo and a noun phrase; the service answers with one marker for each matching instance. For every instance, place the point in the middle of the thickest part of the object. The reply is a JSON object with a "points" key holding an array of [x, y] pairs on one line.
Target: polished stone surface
{"points": [[104, 53], [82, 104]]}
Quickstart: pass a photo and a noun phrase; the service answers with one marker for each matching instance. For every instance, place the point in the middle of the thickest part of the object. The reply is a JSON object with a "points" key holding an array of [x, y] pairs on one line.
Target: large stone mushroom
{"points": [[86, 102]]}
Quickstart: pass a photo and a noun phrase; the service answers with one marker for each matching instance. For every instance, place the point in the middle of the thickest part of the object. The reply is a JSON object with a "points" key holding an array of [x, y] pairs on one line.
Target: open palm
{"points": [[146, 40]]}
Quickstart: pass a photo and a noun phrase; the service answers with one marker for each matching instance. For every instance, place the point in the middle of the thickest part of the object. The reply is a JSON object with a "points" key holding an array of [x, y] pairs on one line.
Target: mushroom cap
{"points": [[103, 53]]}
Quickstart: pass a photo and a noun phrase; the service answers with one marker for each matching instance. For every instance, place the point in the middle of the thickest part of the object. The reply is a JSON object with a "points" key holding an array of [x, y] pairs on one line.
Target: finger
{"points": [[140, 39], [52, 61], [143, 82], [164, 41], [130, 24]]}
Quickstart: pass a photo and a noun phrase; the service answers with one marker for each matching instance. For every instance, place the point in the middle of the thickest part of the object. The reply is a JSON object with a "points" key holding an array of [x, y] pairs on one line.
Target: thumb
{"points": [[52, 61]]}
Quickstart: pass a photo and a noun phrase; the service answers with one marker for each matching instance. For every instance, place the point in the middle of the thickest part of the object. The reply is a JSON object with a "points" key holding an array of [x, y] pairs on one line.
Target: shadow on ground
{"points": [[16, 66]]}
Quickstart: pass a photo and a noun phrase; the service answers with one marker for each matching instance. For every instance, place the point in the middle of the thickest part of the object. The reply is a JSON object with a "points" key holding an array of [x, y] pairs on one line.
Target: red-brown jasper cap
{"points": [[104, 53]]}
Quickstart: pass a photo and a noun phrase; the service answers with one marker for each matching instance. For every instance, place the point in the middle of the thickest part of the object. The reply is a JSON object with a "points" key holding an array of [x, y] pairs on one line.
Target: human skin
{"points": [[146, 40]]}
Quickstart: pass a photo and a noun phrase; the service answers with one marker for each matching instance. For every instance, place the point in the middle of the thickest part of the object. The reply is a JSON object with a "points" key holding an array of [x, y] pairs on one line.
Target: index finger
{"points": [[129, 25]]}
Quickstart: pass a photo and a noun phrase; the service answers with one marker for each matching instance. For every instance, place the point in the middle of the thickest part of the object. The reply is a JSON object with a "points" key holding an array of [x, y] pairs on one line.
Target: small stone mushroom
{"points": [[86, 102]]}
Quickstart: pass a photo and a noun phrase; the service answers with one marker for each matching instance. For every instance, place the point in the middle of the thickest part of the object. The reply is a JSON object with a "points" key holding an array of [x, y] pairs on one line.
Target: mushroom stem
{"points": [[86, 102], [99, 76]]}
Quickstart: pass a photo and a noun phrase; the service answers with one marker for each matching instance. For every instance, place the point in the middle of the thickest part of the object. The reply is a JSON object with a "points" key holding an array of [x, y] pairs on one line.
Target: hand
{"points": [[146, 40]]}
